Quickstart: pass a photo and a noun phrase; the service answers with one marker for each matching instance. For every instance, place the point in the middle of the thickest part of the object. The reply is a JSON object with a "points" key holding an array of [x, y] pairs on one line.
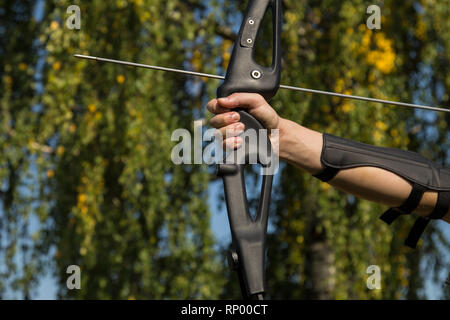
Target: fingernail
{"points": [[239, 128], [235, 116]]}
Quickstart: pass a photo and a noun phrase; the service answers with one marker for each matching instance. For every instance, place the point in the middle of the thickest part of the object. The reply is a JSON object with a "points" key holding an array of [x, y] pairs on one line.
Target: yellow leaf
{"points": [[421, 30], [226, 59], [82, 198], [197, 60], [377, 137], [291, 17], [8, 80], [381, 125], [56, 66], [98, 116], [348, 92], [54, 25], [83, 251], [324, 186], [120, 79], [348, 107], [340, 84], [394, 133]]}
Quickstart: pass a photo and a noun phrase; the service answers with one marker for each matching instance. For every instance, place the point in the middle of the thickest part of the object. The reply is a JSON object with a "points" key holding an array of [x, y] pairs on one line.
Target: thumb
{"points": [[255, 104]]}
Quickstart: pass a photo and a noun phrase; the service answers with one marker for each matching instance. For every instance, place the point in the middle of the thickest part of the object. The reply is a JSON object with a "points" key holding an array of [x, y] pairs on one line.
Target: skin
{"points": [[302, 148]]}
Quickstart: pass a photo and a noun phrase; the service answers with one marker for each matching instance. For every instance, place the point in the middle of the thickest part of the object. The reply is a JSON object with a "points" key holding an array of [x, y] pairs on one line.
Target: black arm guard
{"points": [[339, 153]]}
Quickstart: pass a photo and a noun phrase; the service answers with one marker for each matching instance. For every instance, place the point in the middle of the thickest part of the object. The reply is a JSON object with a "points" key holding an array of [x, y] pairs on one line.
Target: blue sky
{"points": [[219, 223]]}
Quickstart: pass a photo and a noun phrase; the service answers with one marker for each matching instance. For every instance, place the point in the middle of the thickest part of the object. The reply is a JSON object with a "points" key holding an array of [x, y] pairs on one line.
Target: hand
{"points": [[227, 121]]}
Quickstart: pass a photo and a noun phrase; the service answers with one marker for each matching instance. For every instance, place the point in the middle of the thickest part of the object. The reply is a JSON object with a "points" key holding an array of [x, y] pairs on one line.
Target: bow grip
{"points": [[244, 74]]}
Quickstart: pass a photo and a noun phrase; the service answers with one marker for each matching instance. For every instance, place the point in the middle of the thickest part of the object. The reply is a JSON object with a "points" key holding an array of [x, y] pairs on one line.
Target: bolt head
{"points": [[256, 74], [233, 260]]}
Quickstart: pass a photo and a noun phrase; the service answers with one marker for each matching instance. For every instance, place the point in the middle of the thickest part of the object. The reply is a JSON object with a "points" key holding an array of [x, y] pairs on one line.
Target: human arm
{"points": [[302, 147]]}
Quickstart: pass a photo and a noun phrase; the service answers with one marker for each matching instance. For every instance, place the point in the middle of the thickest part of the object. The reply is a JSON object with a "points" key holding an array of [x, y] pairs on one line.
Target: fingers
{"points": [[254, 103], [229, 133], [232, 143], [224, 119], [214, 107], [233, 130], [227, 121], [243, 100]]}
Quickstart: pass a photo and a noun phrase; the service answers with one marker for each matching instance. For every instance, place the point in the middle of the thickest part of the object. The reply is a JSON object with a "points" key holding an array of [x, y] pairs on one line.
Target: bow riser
{"points": [[245, 75]]}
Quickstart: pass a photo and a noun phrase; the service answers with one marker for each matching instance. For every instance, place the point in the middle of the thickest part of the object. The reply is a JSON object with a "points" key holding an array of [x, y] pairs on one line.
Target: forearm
{"points": [[302, 147]]}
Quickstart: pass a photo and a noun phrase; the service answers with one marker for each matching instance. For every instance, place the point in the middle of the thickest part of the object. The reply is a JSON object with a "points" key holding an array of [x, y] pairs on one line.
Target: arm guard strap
{"points": [[339, 154]]}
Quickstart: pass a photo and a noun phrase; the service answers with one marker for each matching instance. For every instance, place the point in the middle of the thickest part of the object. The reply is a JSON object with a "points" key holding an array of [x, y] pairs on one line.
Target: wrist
{"points": [[287, 139], [300, 146]]}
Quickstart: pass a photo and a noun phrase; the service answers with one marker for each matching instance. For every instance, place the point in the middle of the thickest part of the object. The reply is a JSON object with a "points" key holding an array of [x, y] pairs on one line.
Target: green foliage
{"points": [[327, 46], [137, 224], [111, 199], [18, 58], [88, 156]]}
